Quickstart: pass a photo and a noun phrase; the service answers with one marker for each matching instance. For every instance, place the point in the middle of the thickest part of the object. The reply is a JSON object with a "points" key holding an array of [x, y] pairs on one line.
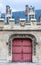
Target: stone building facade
{"points": [[22, 30]]}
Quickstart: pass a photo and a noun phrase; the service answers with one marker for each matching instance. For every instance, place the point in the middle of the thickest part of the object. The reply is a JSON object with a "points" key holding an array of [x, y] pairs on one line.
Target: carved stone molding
{"points": [[29, 36]]}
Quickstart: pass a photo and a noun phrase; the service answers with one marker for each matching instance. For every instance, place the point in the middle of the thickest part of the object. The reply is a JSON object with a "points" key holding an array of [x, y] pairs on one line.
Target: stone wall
{"points": [[4, 38]]}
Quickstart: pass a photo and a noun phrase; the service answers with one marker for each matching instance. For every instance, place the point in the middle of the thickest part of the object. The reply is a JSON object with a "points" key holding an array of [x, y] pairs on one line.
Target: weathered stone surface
{"points": [[4, 38]]}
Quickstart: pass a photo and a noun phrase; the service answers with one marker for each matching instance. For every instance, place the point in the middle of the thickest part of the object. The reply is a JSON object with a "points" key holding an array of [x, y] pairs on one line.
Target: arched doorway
{"points": [[22, 50], [29, 53]]}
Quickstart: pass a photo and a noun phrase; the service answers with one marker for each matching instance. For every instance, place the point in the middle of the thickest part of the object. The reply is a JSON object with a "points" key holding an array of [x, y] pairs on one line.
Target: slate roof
{"points": [[21, 14]]}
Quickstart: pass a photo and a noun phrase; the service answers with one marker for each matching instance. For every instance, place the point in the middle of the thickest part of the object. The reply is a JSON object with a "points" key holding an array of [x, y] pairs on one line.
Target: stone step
{"points": [[20, 63]]}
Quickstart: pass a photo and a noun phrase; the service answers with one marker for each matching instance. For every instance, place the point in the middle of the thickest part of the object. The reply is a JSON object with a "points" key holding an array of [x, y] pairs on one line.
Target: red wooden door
{"points": [[22, 50]]}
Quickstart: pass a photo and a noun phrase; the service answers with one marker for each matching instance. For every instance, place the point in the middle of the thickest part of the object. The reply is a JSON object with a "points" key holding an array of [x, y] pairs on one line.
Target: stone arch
{"points": [[30, 36]]}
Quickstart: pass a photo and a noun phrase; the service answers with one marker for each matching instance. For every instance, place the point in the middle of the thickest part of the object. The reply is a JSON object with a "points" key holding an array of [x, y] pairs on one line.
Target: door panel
{"points": [[27, 49], [16, 57], [16, 49], [27, 57], [16, 42], [27, 42], [22, 50]]}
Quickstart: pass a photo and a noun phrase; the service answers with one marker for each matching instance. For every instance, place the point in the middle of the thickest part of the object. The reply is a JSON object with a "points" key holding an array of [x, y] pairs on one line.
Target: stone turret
{"points": [[8, 13], [31, 14]]}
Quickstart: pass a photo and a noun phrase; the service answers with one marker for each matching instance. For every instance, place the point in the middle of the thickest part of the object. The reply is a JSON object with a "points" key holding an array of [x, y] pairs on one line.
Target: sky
{"points": [[19, 5]]}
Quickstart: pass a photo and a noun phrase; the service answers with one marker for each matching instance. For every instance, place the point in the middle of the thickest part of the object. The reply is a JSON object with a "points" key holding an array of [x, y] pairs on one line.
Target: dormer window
{"points": [[31, 9], [31, 17], [33, 20]]}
